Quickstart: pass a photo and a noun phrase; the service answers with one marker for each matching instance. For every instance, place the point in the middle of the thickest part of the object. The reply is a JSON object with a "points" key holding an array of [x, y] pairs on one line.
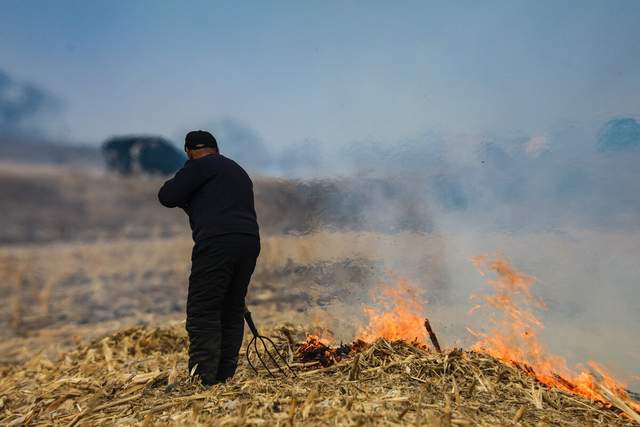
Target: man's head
{"points": [[200, 143]]}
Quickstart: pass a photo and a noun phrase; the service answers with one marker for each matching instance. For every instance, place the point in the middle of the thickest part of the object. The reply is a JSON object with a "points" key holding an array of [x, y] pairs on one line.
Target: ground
{"points": [[92, 325]]}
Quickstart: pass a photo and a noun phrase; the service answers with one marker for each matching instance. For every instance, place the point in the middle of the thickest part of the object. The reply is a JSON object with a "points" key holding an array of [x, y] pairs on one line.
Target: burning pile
{"points": [[513, 337], [138, 377], [390, 376], [313, 349]]}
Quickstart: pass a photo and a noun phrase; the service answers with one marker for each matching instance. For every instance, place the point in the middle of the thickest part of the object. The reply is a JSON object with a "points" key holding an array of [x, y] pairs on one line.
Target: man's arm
{"points": [[178, 190]]}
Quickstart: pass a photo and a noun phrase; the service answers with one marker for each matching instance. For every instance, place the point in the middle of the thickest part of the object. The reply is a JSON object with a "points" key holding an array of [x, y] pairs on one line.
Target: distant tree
{"points": [[141, 154], [619, 134]]}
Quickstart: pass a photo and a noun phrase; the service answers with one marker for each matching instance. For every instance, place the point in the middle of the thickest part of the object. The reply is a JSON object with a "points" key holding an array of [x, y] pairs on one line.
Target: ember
{"points": [[313, 349]]}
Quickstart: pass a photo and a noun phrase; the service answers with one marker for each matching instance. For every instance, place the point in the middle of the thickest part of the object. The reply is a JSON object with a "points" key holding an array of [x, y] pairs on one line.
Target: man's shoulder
{"points": [[231, 163], [210, 161], [211, 158], [220, 163]]}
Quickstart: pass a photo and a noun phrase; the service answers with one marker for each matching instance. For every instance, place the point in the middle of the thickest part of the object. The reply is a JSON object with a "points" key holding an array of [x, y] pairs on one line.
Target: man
{"points": [[217, 195]]}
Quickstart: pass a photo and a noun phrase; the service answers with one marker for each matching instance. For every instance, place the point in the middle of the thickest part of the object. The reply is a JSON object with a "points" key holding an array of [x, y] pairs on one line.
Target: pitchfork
{"points": [[265, 342]]}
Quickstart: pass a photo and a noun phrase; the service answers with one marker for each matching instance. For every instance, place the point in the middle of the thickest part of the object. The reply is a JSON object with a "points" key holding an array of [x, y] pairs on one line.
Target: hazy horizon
{"points": [[335, 73]]}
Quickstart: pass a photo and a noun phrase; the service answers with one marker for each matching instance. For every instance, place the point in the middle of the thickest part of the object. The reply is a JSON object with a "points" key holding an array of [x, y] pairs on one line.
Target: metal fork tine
{"points": [[255, 345], [265, 342], [281, 358], [247, 352], [266, 350]]}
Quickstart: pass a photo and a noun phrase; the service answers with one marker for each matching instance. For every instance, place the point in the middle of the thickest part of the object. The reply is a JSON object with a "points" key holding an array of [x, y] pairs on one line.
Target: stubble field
{"points": [[93, 283]]}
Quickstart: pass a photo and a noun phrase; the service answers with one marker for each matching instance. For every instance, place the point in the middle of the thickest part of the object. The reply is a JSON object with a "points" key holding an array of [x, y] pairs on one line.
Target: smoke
{"points": [[24, 106], [562, 204], [242, 143], [302, 160], [577, 176]]}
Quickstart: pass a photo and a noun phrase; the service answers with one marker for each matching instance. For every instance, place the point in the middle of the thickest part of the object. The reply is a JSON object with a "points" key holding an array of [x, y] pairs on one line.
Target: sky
{"points": [[333, 72]]}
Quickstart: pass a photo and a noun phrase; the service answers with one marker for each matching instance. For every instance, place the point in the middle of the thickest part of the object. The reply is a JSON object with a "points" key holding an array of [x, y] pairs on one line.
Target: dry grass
{"points": [[62, 296], [59, 291], [138, 377], [46, 204], [81, 283]]}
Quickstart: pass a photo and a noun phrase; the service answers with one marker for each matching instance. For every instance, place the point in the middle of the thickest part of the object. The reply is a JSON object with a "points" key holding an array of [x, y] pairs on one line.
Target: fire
{"points": [[313, 349], [398, 314], [513, 335]]}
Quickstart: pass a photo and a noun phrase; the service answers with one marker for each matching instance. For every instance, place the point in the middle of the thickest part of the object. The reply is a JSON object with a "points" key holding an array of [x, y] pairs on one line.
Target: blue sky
{"points": [[334, 72]]}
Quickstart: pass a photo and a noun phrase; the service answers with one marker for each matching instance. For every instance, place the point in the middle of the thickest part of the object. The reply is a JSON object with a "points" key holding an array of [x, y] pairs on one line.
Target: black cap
{"points": [[199, 139]]}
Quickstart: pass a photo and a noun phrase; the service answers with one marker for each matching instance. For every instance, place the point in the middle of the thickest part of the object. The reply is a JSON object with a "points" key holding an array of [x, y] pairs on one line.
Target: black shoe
{"points": [[208, 380]]}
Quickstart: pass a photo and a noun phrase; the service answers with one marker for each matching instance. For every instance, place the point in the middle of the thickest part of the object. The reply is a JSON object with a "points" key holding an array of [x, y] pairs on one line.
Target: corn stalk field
{"points": [[93, 334], [92, 328]]}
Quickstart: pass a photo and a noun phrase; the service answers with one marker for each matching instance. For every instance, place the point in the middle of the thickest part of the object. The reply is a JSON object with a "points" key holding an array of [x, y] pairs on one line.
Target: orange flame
{"points": [[398, 314], [513, 336]]}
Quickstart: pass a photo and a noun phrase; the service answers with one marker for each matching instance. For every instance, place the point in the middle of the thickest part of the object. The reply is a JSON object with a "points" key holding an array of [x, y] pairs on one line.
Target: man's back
{"points": [[217, 194]]}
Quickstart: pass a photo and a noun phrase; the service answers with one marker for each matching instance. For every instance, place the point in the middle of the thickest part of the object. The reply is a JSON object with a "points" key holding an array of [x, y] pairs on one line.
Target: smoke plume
{"points": [[23, 105]]}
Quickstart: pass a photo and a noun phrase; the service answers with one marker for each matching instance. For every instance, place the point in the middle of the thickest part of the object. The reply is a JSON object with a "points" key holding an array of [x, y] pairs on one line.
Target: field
{"points": [[93, 280]]}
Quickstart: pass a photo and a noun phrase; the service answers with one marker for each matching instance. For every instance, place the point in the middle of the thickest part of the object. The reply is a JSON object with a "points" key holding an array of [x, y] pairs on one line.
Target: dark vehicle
{"points": [[152, 155]]}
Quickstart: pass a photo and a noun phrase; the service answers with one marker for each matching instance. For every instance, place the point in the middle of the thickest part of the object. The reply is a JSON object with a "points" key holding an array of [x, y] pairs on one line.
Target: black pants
{"points": [[220, 275]]}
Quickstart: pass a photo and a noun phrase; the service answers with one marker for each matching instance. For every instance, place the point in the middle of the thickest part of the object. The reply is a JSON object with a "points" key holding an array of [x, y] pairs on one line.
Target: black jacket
{"points": [[216, 193]]}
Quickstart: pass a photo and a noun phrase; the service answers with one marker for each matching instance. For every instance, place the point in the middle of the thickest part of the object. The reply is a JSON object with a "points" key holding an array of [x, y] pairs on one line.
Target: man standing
{"points": [[217, 195]]}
